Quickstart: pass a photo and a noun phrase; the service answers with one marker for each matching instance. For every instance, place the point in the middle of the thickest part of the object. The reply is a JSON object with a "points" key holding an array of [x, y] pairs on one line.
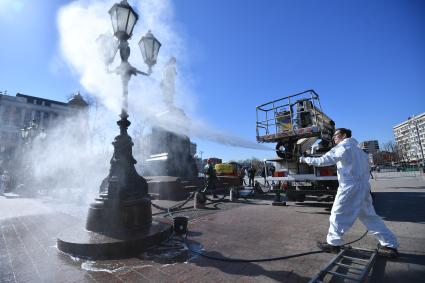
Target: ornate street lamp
{"points": [[123, 211], [123, 183], [149, 46], [123, 19]]}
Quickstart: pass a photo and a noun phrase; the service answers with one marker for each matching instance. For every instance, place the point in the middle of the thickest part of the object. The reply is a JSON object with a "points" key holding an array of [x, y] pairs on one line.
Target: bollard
{"points": [[195, 201], [199, 200], [278, 201], [231, 194], [180, 224]]}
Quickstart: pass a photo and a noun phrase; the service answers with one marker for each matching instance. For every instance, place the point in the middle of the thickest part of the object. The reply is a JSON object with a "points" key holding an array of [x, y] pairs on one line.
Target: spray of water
{"points": [[76, 153], [69, 163], [82, 22]]}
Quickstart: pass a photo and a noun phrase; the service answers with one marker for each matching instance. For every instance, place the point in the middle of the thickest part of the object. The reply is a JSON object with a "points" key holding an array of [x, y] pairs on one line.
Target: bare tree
{"points": [[258, 164], [393, 148], [389, 146], [96, 130]]}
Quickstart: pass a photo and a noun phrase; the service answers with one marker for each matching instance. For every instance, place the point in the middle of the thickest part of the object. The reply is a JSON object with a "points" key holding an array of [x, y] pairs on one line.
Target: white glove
{"points": [[302, 159]]}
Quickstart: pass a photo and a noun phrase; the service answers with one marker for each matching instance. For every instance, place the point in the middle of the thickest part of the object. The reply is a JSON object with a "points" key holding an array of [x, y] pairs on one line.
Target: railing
{"points": [[282, 117], [391, 175]]}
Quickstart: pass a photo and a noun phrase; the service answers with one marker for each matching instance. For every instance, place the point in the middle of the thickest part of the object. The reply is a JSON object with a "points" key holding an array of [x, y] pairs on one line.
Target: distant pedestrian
{"points": [[242, 176], [272, 169], [251, 175], [210, 177]]}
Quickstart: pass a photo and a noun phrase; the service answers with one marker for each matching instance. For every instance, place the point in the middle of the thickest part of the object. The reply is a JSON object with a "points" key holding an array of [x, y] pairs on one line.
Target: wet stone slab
{"points": [[248, 229]]}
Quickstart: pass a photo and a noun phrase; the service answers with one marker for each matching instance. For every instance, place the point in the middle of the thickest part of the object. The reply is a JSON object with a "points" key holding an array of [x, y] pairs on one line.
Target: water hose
{"points": [[227, 259]]}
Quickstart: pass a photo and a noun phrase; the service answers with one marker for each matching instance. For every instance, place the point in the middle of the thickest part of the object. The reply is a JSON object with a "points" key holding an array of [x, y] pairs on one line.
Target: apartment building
{"points": [[370, 147], [410, 138]]}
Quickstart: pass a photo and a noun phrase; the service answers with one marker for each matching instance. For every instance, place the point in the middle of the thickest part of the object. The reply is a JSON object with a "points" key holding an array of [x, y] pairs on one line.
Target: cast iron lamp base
{"points": [[81, 243]]}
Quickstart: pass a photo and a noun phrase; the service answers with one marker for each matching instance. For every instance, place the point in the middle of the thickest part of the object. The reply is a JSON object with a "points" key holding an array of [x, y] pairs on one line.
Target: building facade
{"points": [[410, 138], [370, 147], [16, 112]]}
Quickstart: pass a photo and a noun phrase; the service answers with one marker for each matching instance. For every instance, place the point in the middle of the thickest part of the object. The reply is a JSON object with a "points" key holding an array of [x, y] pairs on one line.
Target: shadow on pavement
{"points": [[411, 258], [249, 202], [314, 204], [378, 272], [400, 206], [317, 212]]}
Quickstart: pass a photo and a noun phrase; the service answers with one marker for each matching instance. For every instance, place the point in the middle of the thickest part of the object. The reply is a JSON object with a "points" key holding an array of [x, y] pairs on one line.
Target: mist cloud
{"points": [[82, 22]]}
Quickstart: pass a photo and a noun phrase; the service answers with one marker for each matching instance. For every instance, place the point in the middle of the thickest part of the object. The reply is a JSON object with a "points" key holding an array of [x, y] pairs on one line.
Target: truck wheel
{"points": [[300, 198], [283, 150]]}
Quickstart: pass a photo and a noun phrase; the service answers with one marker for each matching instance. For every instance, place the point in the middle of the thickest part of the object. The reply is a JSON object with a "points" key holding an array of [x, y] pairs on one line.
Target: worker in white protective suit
{"points": [[353, 198]]}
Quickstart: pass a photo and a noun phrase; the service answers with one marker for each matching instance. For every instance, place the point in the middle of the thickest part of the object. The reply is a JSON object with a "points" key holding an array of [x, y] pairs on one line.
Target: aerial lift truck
{"points": [[298, 127]]}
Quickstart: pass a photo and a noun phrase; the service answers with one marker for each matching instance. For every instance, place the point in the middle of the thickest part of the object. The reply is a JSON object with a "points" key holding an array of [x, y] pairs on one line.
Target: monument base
{"points": [[81, 243]]}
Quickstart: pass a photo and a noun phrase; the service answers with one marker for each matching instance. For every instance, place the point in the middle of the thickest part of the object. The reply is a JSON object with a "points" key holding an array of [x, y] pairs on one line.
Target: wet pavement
{"points": [[247, 229]]}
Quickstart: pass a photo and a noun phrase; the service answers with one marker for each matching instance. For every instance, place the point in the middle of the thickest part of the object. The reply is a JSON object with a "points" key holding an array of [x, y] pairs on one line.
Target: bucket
{"points": [[180, 224]]}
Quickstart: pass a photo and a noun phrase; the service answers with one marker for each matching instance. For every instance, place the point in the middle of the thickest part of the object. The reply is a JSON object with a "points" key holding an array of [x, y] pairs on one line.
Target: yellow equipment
{"points": [[228, 169]]}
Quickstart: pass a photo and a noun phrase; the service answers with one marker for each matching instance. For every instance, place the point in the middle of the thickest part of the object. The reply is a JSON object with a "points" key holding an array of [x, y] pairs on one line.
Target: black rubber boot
{"points": [[328, 247], [387, 251]]}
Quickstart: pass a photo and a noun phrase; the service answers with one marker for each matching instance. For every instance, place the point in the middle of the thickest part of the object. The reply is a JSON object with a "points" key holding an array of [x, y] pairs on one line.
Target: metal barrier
{"points": [[388, 175]]}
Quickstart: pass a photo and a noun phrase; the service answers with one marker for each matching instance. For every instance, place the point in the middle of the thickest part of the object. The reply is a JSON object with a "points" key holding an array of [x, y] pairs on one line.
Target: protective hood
{"points": [[348, 142]]}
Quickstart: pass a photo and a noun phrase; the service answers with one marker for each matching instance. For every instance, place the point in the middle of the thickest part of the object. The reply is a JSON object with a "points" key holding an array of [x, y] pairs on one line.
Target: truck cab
{"points": [[298, 127]]}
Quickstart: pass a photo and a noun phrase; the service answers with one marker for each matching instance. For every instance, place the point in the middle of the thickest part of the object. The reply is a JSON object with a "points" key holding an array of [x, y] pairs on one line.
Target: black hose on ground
{"points": [[227, 259], [175, 207], [179, 206]]}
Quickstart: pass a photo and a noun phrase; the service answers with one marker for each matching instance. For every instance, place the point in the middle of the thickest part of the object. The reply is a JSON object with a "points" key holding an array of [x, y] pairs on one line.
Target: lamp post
{"points": [[119, 222], [123, 183]]}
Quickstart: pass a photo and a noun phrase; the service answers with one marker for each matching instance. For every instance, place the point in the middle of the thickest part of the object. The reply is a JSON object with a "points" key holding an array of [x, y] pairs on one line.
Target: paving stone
{"points": [[162, 273], [100, 276], [233, 230], [132, 276]]}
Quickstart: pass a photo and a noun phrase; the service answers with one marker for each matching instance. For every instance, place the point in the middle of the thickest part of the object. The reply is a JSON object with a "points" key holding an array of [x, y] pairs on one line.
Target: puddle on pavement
{"points": [[95, 266], [172, 253]]}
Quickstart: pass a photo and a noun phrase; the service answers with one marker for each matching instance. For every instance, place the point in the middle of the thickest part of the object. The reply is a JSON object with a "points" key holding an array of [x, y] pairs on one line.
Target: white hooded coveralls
{"points": [[353, 198]]}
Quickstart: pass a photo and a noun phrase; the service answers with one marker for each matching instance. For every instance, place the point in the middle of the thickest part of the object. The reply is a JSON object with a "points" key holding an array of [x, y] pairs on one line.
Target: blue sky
{"points": [[366, 60]]}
